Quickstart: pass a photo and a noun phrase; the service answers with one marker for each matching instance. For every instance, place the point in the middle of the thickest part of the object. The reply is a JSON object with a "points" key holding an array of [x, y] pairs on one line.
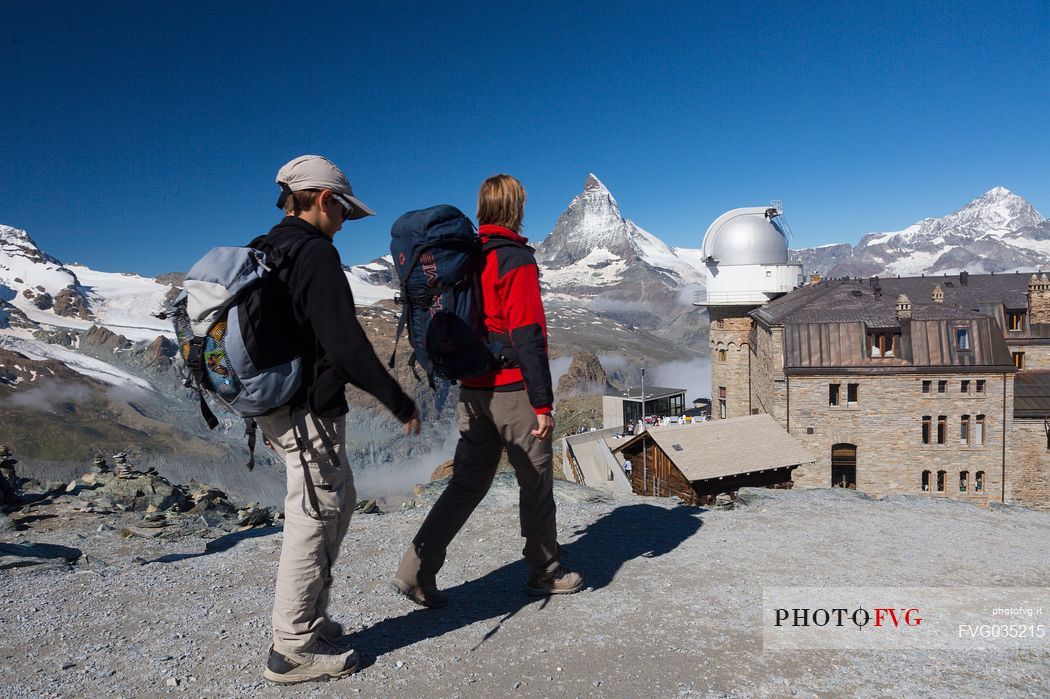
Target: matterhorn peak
{"points": [[593, 184]]}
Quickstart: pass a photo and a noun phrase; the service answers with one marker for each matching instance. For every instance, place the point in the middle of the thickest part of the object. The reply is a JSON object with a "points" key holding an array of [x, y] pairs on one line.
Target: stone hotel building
{"points": [[922, 385]]}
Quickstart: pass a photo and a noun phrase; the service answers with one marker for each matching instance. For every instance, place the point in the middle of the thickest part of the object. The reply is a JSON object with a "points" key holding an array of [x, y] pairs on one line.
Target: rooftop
{"points": [[1032, 394], [844, 300], [712, 449], [651, 393]]}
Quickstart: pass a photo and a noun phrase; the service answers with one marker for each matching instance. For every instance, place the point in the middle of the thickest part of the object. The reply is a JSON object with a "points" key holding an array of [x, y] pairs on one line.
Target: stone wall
{"points": [[1035, 356], [768, 387], [1028, 464], [729, 331], [1039, 299], [885, 424]]}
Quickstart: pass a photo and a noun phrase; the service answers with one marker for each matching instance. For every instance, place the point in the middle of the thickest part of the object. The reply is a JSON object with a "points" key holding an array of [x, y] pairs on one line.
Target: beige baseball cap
{"points": [[317, 172]]}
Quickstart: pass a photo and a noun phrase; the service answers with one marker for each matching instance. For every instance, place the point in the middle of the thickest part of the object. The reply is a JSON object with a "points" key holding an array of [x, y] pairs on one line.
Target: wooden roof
{"points": [[712, 449], [925, 345]]}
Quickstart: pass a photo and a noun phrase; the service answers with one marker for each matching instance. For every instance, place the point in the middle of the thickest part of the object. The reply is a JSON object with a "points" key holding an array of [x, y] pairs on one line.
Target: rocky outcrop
{"points": [[13, 317], [585, 376], [159, 353], [104, 338], [70, 303], [39, 298]]}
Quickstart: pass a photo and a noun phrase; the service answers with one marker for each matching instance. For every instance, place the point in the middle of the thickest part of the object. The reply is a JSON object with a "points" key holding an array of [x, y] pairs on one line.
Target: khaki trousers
{"points": [[490, 422], [317, 511]]}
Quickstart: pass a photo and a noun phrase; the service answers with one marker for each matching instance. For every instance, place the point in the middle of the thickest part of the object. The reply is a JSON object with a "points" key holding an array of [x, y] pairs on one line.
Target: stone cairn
{"points": [[123, 468], [100, 465]]}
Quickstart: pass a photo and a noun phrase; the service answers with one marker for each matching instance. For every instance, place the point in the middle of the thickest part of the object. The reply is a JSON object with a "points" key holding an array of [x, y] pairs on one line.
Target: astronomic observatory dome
{"points": [[746, 236]]}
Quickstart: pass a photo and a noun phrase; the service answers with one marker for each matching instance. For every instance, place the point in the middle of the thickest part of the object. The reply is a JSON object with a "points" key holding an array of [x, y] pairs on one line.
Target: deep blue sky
{"points": [[136, 135]]}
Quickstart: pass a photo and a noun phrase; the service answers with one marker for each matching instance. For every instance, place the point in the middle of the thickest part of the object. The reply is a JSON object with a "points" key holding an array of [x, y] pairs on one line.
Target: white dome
{"points": [[745, 237]]}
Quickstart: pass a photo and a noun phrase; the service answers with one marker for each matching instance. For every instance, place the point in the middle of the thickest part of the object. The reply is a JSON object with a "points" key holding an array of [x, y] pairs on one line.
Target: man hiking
{"points": [[508, 408], [310, 432]]}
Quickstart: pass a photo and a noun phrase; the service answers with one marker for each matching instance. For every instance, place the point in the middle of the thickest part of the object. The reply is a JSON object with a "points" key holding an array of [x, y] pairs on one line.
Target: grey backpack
{"points": [[237, 350]]}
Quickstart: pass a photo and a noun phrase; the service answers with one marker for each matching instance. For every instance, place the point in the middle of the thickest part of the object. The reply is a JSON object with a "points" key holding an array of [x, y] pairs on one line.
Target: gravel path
{"points": [[672, 608]]}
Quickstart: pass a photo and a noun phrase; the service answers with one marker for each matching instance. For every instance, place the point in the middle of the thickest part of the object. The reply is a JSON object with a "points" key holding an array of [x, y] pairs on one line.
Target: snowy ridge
{"points": [[80, 363], [23, 266], [998, 231]]}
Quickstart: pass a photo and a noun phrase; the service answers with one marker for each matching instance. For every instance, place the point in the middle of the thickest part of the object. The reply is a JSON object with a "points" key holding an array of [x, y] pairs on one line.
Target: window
{"points": [[721, 322], [964, 430], [942, 429], [883, 344], [978, 430], [925, 481], [940, 481], [962, 339], [722, 354], [926, 385], [1018, 359], [927, 423], [722, 402], [980, 385], [1015, 319], [964, 386], [964, 481], [978, 482], [942, 387], [833, 393], [852, 393]]}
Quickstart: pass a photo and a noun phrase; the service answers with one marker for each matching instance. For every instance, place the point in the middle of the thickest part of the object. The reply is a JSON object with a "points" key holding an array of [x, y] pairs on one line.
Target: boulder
{"points": [[38, 557]]}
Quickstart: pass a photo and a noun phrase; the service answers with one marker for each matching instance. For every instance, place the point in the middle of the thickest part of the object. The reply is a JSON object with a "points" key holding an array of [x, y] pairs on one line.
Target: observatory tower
{"points": [[746, 254]]}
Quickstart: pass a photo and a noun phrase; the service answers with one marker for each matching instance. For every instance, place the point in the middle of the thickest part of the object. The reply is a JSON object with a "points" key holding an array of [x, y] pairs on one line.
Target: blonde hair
{"points": [[301, 201], [501, 202]]}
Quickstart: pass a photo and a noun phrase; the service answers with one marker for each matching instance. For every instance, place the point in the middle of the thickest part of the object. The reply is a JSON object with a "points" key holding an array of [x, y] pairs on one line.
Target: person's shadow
{"points": [[223, 543], [626, 533]]}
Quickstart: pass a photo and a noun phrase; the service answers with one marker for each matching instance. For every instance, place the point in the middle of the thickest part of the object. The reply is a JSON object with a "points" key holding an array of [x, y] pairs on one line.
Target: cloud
{"points": [[381, 480], [693, 375], [559, 368], [47, 396]]}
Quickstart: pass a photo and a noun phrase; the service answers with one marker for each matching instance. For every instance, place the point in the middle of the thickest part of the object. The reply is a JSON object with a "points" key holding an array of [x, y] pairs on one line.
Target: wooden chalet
{"points": [[695, 463]]}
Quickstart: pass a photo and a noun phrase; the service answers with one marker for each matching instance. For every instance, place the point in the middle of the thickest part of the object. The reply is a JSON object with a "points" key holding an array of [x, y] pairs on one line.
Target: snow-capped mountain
{"points": [[998, 231], [593, 250]]}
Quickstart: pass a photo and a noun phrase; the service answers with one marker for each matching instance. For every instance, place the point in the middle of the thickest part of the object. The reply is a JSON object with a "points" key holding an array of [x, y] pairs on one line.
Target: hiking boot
{"points": [[323, 661], [332, 631], [423, 595], [561, 582]]}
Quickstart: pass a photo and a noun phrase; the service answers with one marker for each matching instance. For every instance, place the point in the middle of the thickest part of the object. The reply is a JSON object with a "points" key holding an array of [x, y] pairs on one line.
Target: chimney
{"points": [[964, 278], [873, 282], [938, 294], [815, 279], [1039, 299], [903, 307]]}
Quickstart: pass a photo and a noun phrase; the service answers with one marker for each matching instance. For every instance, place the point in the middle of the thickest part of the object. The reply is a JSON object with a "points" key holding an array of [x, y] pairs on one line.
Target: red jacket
{"points": [[510, 290]]}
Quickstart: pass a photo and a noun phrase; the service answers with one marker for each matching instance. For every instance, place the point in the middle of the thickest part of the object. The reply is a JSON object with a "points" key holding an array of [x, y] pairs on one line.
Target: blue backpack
{"points": [[438, 257]]}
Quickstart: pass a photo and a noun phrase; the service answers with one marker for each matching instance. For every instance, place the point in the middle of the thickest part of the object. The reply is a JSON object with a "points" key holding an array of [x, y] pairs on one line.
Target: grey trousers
{"points": [[317, 511], [490, 422]]}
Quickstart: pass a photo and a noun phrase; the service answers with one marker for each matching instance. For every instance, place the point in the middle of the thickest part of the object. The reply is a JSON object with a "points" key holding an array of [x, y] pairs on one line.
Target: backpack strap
{"points": [[195, 380]]}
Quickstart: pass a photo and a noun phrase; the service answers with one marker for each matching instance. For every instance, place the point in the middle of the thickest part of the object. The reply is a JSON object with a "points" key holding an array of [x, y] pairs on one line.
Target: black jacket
{"points": [[314, 291]]}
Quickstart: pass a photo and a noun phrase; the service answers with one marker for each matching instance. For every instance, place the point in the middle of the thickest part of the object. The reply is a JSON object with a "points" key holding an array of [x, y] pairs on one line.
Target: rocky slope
{"points": [[998, 231], [673, 605]]}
